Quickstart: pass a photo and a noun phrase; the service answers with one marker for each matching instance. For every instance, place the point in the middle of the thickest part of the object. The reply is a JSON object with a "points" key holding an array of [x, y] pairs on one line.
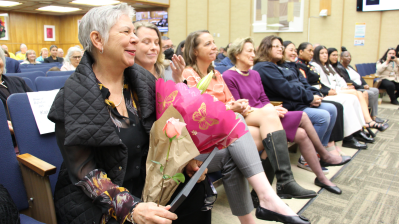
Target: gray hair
{"points": [[72, 50], [22, 45], [101, 19], [165, 38], [3, 58]]}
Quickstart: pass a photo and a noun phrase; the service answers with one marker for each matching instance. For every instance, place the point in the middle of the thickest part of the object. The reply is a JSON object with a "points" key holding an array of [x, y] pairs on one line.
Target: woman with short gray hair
{"points": [[103, 116], [30, 58], [72, 59]]}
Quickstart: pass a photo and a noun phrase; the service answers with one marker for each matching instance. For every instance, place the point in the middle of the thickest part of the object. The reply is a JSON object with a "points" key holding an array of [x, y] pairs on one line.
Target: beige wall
{"points": [[233, 18]]}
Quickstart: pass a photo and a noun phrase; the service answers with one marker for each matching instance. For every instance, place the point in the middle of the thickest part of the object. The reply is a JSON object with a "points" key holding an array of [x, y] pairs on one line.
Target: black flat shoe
{"points": [[361, 136], [332, 189], [379, 120], [353, 143], [345, 159], [264, 214]]}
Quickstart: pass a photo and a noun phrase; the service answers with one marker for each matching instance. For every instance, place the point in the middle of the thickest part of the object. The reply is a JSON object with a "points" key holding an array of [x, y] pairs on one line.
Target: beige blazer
{"points": [[388, 72]]}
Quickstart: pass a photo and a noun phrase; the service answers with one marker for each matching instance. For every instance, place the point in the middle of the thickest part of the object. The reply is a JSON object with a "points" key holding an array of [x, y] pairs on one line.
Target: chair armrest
{"points": [[35, 174], [276, 103], [39, 166]]}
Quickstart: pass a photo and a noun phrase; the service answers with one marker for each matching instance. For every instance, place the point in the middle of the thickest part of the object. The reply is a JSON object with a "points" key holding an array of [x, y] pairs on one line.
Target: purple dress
{"points": [[250, 87]]}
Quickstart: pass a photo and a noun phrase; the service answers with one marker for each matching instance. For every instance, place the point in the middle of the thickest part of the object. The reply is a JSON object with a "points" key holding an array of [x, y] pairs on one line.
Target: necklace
{"points": [[240, 72], [121, 99]]}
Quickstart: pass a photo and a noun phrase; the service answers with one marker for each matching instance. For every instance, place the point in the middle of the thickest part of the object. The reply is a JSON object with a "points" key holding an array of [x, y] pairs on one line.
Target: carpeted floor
{"points": [[370, 183]]}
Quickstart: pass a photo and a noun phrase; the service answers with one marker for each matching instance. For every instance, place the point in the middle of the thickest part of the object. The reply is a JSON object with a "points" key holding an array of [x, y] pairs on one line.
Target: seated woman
{"points": [[30, 58], [333, 84], [72, 59], [8, 86], [241, 154], [103, 116], [388, 71], [350, 75], [246, 84], [43, 55], [351, 130], [53, 55]]}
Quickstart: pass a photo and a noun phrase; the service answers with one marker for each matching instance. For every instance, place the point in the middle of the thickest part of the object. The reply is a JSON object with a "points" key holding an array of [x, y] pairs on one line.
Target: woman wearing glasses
{"points": [[387, 69], [72, 59]]}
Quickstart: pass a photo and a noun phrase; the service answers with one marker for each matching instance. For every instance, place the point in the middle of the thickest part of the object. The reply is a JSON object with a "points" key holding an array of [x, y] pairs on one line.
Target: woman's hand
{"points": [[332, 92], [193, 166], [281, 110], [238, 106], [316, 101], [177, 67], [149, 213], [366, 87], [10, 127]]}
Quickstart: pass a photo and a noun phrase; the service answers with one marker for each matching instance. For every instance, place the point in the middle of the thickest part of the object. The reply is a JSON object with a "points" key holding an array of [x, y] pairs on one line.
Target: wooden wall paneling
{"points": [[219, 21], [69, 29], [240, 19], [177, 18], [197, 15]]}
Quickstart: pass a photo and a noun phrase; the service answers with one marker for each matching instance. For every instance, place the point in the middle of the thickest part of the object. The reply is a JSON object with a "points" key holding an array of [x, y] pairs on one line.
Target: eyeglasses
{"points": [[76, 57], [279, 46], [167, 47]]}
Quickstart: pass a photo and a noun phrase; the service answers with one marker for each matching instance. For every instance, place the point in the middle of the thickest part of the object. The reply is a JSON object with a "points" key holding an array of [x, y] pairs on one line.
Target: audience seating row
{"points": [[43, 84], [366, 69]]}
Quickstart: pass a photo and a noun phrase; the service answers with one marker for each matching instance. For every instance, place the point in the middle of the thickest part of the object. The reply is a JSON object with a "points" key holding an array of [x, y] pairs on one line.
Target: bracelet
{"points": [[130, 216]]}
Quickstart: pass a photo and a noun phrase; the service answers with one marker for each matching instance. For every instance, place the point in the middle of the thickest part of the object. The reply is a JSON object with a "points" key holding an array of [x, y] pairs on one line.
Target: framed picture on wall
{"points": [[49, 33], [4, 31]]}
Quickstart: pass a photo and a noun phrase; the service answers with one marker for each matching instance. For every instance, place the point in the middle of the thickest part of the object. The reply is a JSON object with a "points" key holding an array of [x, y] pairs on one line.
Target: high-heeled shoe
{"points": [[265, 214]]}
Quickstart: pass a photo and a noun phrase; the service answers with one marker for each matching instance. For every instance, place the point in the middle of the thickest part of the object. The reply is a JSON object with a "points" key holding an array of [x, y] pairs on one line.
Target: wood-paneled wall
{"points": [[29, 29], [233, 19]]}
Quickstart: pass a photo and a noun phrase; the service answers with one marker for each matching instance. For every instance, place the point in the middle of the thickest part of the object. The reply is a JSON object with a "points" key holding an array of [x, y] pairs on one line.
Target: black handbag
{"points": [[9, 213]]}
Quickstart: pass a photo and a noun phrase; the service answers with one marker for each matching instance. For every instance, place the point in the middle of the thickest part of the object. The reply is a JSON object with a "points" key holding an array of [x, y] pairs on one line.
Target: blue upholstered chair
{"points": [[11, 176], [28, 137], [59, 73], [31, 75], [50, 83], [43, 69], [29, 83]]}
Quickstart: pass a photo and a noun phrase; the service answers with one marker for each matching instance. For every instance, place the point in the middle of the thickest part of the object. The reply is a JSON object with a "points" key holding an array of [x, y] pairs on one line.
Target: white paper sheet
{"points": [[40, 103]]}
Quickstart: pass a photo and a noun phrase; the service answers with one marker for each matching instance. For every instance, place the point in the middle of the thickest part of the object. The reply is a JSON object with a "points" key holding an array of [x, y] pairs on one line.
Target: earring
{"points": [[102, 50]]}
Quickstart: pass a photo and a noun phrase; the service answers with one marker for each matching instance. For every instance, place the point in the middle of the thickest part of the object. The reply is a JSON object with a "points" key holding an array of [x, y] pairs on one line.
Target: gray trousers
{"points": [[237, 162], [373, 100]]}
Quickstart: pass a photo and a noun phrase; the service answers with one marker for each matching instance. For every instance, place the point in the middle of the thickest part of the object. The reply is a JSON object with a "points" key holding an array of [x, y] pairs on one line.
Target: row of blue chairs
{"points": [[44, 67], [366, 69], [31, 182], [30, 78], [46, 83]]}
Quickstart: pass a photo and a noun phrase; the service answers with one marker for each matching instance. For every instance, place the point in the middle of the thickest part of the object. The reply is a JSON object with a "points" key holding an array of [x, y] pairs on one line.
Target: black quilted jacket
{"points": [[82, 119]]}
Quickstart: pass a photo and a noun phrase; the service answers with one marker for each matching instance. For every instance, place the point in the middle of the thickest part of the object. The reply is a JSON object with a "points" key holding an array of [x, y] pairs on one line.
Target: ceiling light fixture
{"points": [[9, 3], [95, 3], [53, 8]]}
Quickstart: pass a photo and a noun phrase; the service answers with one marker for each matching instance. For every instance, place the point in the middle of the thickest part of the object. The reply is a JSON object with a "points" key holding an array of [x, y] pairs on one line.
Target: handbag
{"points": [[9, 213]]}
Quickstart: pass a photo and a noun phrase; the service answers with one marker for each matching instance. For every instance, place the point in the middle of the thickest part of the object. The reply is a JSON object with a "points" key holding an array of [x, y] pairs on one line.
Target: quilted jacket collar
{"points": [[81, 106]]}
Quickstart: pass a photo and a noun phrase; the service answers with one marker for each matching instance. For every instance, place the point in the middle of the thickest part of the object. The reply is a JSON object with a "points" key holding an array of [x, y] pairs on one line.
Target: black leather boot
{"points": [[276, 148], [267, 167]]}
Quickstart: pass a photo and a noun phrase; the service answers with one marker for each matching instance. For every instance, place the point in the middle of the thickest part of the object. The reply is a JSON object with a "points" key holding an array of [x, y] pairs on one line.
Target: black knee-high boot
{"points": [[276, 148]]}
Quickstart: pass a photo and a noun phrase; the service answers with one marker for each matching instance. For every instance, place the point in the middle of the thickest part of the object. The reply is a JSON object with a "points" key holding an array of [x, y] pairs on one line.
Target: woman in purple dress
{"points": [[246, 84]]}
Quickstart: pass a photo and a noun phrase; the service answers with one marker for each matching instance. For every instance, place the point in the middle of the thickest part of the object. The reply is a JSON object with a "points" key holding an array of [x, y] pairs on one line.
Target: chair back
{"points": [[221, 69], [50, 83], [28, 137], [43, 69], [50, 65], [59, 73], [361, 69], [29, 83], [10, 175], [371, 68], [31, 75]]}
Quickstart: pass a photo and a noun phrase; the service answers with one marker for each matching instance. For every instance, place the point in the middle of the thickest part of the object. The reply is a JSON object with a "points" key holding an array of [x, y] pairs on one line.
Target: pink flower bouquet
{"points": [[209, 123]]}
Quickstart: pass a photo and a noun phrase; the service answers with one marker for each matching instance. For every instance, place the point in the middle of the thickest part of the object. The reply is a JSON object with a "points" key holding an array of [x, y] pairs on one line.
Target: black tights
{"points": [[390, 87]]}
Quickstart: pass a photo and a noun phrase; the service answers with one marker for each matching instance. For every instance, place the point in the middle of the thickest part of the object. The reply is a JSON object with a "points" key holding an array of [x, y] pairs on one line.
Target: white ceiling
{"points": [[30, 6]]}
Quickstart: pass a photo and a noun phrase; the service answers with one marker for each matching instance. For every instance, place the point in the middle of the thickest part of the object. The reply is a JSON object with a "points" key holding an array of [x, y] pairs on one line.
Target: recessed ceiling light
{"points": [[95, 3], [9, 3], [53, 8]]}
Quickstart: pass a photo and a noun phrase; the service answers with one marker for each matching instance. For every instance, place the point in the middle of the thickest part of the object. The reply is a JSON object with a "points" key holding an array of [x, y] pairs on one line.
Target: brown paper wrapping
{"points": [[182, 151]]}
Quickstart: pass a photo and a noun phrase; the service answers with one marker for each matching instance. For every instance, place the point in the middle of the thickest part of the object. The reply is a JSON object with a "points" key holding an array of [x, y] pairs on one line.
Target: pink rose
{"points": [[173, 127]]}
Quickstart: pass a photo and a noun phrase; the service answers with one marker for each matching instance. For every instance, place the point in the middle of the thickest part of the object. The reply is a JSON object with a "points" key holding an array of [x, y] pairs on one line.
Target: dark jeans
{"points": [[390, 87]]}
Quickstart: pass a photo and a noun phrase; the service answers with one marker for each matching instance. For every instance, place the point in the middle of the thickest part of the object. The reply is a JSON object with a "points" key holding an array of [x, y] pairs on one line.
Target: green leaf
{"points": [[179, 177], [161, 168], [156, 162], [166, 177]]}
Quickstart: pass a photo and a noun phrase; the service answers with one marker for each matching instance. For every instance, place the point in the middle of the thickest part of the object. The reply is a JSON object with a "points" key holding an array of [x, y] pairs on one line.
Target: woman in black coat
{"points": [[103, 117]]}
